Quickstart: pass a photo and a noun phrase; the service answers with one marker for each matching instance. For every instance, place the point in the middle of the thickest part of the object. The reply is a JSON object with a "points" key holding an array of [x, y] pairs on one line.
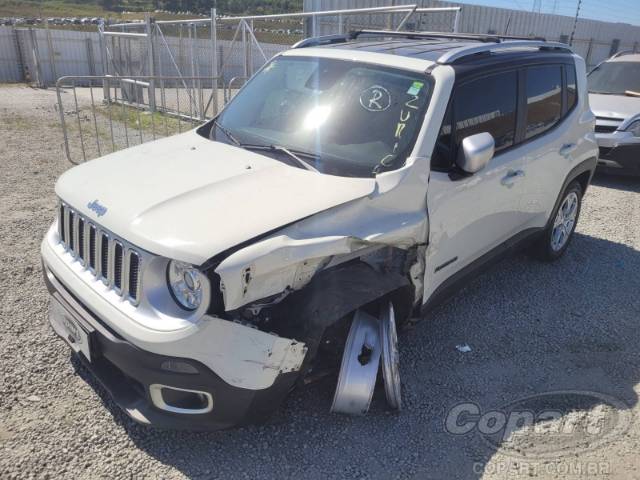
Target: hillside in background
{"points": [[117, 8]]}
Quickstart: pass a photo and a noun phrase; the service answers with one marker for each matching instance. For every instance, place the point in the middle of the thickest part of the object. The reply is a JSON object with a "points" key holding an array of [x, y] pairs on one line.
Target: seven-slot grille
{"points": [[106, 257]]}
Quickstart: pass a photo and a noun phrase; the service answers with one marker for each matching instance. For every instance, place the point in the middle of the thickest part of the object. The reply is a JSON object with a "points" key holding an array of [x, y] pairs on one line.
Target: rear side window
{"points": [[572, 87], [544, 98], [489, 105]]}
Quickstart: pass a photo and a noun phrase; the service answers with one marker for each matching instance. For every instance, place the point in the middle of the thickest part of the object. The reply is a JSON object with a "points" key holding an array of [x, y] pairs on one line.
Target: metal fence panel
{"points": [[73, 52], [27, 46], [10, 70], [93, 127]]}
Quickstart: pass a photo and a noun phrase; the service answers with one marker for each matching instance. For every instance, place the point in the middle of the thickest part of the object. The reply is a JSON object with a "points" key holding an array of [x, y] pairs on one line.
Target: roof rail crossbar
{"points": [[456, 54], [342, 38], [323, 40], [455, 36], [490, 43]]}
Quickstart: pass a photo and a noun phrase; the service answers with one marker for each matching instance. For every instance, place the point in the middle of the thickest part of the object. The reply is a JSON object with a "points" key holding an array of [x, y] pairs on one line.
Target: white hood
{"points": [[189, 198], [614, 106]]}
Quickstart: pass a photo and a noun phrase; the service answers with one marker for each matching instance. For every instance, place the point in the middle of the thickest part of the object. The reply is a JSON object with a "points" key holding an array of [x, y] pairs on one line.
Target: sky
{"points": [[627, 11]]}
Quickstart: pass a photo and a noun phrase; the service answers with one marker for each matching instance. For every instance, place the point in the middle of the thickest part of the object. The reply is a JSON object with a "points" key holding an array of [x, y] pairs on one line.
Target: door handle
{"points": [[567, 149], [511, 177]]}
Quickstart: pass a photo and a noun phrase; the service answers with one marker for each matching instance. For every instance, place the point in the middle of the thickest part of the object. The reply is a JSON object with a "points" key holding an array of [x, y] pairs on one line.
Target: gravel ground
{"points": [[532, 328]]}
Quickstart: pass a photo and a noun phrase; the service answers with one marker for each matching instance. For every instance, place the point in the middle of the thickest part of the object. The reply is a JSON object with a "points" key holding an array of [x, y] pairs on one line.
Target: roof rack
{"points": [[456, 54], [342, 38], [453, 36], [324, 40], [489, 43]]}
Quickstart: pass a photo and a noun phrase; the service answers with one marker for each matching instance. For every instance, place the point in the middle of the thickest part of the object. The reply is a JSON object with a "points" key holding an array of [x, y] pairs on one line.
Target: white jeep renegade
{"points": [[201, 277]]}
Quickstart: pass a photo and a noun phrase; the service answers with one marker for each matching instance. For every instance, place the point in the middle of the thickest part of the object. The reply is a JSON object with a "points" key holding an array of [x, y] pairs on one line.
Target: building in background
{"points": [[594, 40]]}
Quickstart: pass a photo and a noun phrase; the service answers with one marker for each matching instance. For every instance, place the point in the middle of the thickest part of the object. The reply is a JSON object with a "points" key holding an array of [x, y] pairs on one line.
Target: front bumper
{"points": [[619, 153], [623, 159], [128, 374]]}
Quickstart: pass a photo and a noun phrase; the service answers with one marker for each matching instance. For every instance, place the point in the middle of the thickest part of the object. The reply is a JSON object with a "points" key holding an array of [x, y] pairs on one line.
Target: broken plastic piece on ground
{"points": [[359, 367], [390, 357], [463, 348]]}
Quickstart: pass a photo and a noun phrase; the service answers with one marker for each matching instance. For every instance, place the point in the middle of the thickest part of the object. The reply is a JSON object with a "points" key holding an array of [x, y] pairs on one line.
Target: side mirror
{"points": [[475, 152]]}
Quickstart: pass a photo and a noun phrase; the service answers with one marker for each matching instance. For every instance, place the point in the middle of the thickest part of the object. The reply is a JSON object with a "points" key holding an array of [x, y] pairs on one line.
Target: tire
{"points": [[557, 236]]}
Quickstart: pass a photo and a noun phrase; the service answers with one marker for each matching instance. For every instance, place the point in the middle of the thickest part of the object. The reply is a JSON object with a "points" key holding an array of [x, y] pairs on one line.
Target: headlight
{"points": [[634, 128], [185, 282]]}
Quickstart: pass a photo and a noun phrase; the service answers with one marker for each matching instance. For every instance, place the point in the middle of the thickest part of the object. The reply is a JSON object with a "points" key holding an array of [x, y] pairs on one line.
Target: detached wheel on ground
{"points": [[558, 234]]}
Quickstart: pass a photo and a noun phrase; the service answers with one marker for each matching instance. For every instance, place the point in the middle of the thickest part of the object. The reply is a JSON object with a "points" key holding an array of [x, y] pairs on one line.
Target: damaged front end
{"points": [[310, 288], [269, 314], [275, 313]]}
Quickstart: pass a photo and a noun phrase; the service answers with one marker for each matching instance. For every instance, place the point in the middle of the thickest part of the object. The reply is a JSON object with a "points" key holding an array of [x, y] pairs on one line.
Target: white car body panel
{"points": [[619, 107], [234, 195], [615, 111], [481, 208], [477, 207]]}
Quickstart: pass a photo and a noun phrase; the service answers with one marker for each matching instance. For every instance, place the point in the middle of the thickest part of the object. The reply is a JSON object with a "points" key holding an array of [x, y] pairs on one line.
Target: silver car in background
{"points": [[614, 95]]}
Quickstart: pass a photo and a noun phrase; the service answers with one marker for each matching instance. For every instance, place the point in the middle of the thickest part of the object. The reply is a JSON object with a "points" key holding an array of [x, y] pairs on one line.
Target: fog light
{"points": [[180, 400]]}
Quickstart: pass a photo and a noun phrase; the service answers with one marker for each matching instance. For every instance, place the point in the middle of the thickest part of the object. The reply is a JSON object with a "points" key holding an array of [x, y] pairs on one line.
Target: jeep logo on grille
{"points": [[96, 207]]}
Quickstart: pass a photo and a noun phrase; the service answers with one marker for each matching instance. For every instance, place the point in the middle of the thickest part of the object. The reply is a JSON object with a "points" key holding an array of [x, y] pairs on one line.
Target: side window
{"points": [[489, 105], [572, 87], [544, 98]]}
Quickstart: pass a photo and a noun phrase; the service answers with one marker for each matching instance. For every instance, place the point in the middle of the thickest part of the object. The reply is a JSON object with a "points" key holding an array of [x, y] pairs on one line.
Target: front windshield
{"points": [[615, 78], [349, 118]]}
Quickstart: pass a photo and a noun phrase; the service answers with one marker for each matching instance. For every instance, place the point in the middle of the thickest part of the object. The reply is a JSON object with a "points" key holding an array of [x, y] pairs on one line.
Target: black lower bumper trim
{"points": [[127, 371], [626, 156]]}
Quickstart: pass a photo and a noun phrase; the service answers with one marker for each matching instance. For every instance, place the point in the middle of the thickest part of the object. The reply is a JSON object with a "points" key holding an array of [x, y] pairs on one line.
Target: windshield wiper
{"points": [[278, 148], [295, 154], [226, 131]]}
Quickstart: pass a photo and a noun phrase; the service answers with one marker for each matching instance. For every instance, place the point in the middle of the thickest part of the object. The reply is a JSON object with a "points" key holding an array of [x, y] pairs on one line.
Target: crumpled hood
{"points": [[614, 106], [189, 198]]}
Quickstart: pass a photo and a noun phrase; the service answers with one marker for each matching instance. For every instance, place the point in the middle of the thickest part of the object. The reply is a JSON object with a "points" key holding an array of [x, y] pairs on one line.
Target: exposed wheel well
{"points": [[583, 179]]}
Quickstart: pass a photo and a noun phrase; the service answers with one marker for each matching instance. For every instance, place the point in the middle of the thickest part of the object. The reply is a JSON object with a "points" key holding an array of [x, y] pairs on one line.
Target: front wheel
{"points": [[558, 234]]}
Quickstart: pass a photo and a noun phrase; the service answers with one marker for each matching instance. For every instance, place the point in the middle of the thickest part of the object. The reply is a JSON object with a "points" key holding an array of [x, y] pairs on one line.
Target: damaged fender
{"points": [[333, 294], [276, 265], [286, 261]]}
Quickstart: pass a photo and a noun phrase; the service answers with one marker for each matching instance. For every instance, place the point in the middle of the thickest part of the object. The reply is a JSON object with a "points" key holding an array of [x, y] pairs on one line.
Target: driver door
{"points": [[470, 215]]}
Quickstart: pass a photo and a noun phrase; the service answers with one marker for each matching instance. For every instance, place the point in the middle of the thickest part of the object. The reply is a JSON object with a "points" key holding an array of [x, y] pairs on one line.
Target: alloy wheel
{"points": [[564, 222]]}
